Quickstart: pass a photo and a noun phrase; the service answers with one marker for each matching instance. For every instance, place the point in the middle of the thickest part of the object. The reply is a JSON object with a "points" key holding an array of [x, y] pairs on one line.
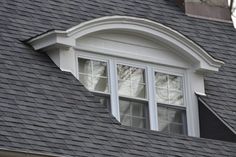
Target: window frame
{"points": [[146, 99], [150, 69], [176, 72]]}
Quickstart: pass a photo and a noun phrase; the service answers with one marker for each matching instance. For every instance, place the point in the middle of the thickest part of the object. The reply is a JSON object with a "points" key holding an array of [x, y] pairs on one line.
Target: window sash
{"points": [[144, 118], [167, 90], [168, 123], [130, 81], [92, 76]]}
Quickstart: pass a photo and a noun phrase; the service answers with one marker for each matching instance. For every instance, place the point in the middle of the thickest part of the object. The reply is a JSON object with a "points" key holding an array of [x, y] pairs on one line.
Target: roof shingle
{"points": [[46, 110]]}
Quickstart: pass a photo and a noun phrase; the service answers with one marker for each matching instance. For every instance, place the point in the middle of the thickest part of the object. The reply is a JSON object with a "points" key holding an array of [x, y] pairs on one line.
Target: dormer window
{"points": [[147, 72]]}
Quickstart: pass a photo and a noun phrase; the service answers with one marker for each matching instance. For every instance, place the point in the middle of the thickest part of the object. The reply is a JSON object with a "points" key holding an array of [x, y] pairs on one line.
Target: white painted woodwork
{"points": [[130, 45]]}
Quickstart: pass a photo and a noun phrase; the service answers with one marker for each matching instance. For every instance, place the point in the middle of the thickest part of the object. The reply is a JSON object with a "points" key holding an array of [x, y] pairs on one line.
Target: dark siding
{"points": [[211, 127]]}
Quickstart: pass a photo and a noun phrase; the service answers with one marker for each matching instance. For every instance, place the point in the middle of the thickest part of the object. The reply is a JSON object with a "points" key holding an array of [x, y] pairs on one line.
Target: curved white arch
{"points": [[133, 24]]}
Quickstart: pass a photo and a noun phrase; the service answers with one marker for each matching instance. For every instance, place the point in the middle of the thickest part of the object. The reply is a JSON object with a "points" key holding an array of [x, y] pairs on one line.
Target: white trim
{"points": [[204, 62], [153, 115], [192, 108], [115, 107], [137, 57], [209, 108], [200, 93]]}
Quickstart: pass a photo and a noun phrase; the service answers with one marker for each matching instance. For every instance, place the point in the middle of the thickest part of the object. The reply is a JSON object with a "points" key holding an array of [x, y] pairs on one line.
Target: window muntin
{"points": [[132, 88]]}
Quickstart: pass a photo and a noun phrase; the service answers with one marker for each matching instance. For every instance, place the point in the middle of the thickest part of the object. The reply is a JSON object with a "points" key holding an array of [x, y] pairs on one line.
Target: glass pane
{"points": [[161, 80], [125, 107], [162, 96], [138, 122], [163, 126], [175, 82], [138, 112], [131, 81], [171, 120], [87, 81], [138, 90], [125, 120], [100, 84], [169, 89], [176, 98], [104, 100], [176, 128], [124, 88], [85, 66], [162, 114], [99, 68], [123, 72], [175, 116], [137, 75]]}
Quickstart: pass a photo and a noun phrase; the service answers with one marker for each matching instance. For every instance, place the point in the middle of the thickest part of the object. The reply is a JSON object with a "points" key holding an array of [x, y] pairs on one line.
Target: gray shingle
{"points": [[44, 109]]}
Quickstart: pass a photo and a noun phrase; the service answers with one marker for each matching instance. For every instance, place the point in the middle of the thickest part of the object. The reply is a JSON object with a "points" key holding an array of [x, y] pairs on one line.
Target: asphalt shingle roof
{"points": [[44, 109]]}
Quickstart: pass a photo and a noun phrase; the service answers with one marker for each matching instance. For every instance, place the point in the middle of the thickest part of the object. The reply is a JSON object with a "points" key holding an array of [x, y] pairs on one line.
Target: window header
{"points": [[201, 59]]}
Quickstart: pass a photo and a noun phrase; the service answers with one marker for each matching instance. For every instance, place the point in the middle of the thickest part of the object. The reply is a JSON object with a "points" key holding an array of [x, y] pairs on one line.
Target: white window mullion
{"points": [[114, 90], [152, 104]]}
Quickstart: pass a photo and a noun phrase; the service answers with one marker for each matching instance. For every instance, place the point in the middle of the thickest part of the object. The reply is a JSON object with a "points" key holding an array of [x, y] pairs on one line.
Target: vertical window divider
{"points": [[151, 102], [168, 88], [131, 88], [92, 76], [114, 89]]}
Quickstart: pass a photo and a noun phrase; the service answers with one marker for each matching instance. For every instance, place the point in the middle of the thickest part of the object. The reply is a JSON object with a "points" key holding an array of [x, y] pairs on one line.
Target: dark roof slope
{"points": [[47, 110]]}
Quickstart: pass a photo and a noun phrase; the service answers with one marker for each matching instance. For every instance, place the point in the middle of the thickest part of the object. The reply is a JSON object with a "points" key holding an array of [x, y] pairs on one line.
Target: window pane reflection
{"points": [[99, 68], [87, 81], [93, 75], [133, 113], [169, 89], [172, 120], [131, 81], [85, 66]]}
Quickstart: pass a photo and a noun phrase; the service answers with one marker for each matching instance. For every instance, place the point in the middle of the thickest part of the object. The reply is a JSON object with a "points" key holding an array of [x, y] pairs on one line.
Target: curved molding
{"points": [[202, 60]]}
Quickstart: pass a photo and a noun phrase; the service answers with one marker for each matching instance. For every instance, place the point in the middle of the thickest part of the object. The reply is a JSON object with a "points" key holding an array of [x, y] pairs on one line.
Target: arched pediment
{"points": [[185, 47]]}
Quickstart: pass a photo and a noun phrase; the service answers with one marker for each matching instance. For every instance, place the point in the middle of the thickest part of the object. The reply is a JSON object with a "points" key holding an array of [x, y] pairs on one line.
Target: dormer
{"points": [[146, 73]]}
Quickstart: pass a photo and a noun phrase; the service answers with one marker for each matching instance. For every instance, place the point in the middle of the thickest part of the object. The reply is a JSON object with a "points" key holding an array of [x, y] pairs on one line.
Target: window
{"points": [[132, 96], [133, 92], [170, 103], [94, 76]]}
